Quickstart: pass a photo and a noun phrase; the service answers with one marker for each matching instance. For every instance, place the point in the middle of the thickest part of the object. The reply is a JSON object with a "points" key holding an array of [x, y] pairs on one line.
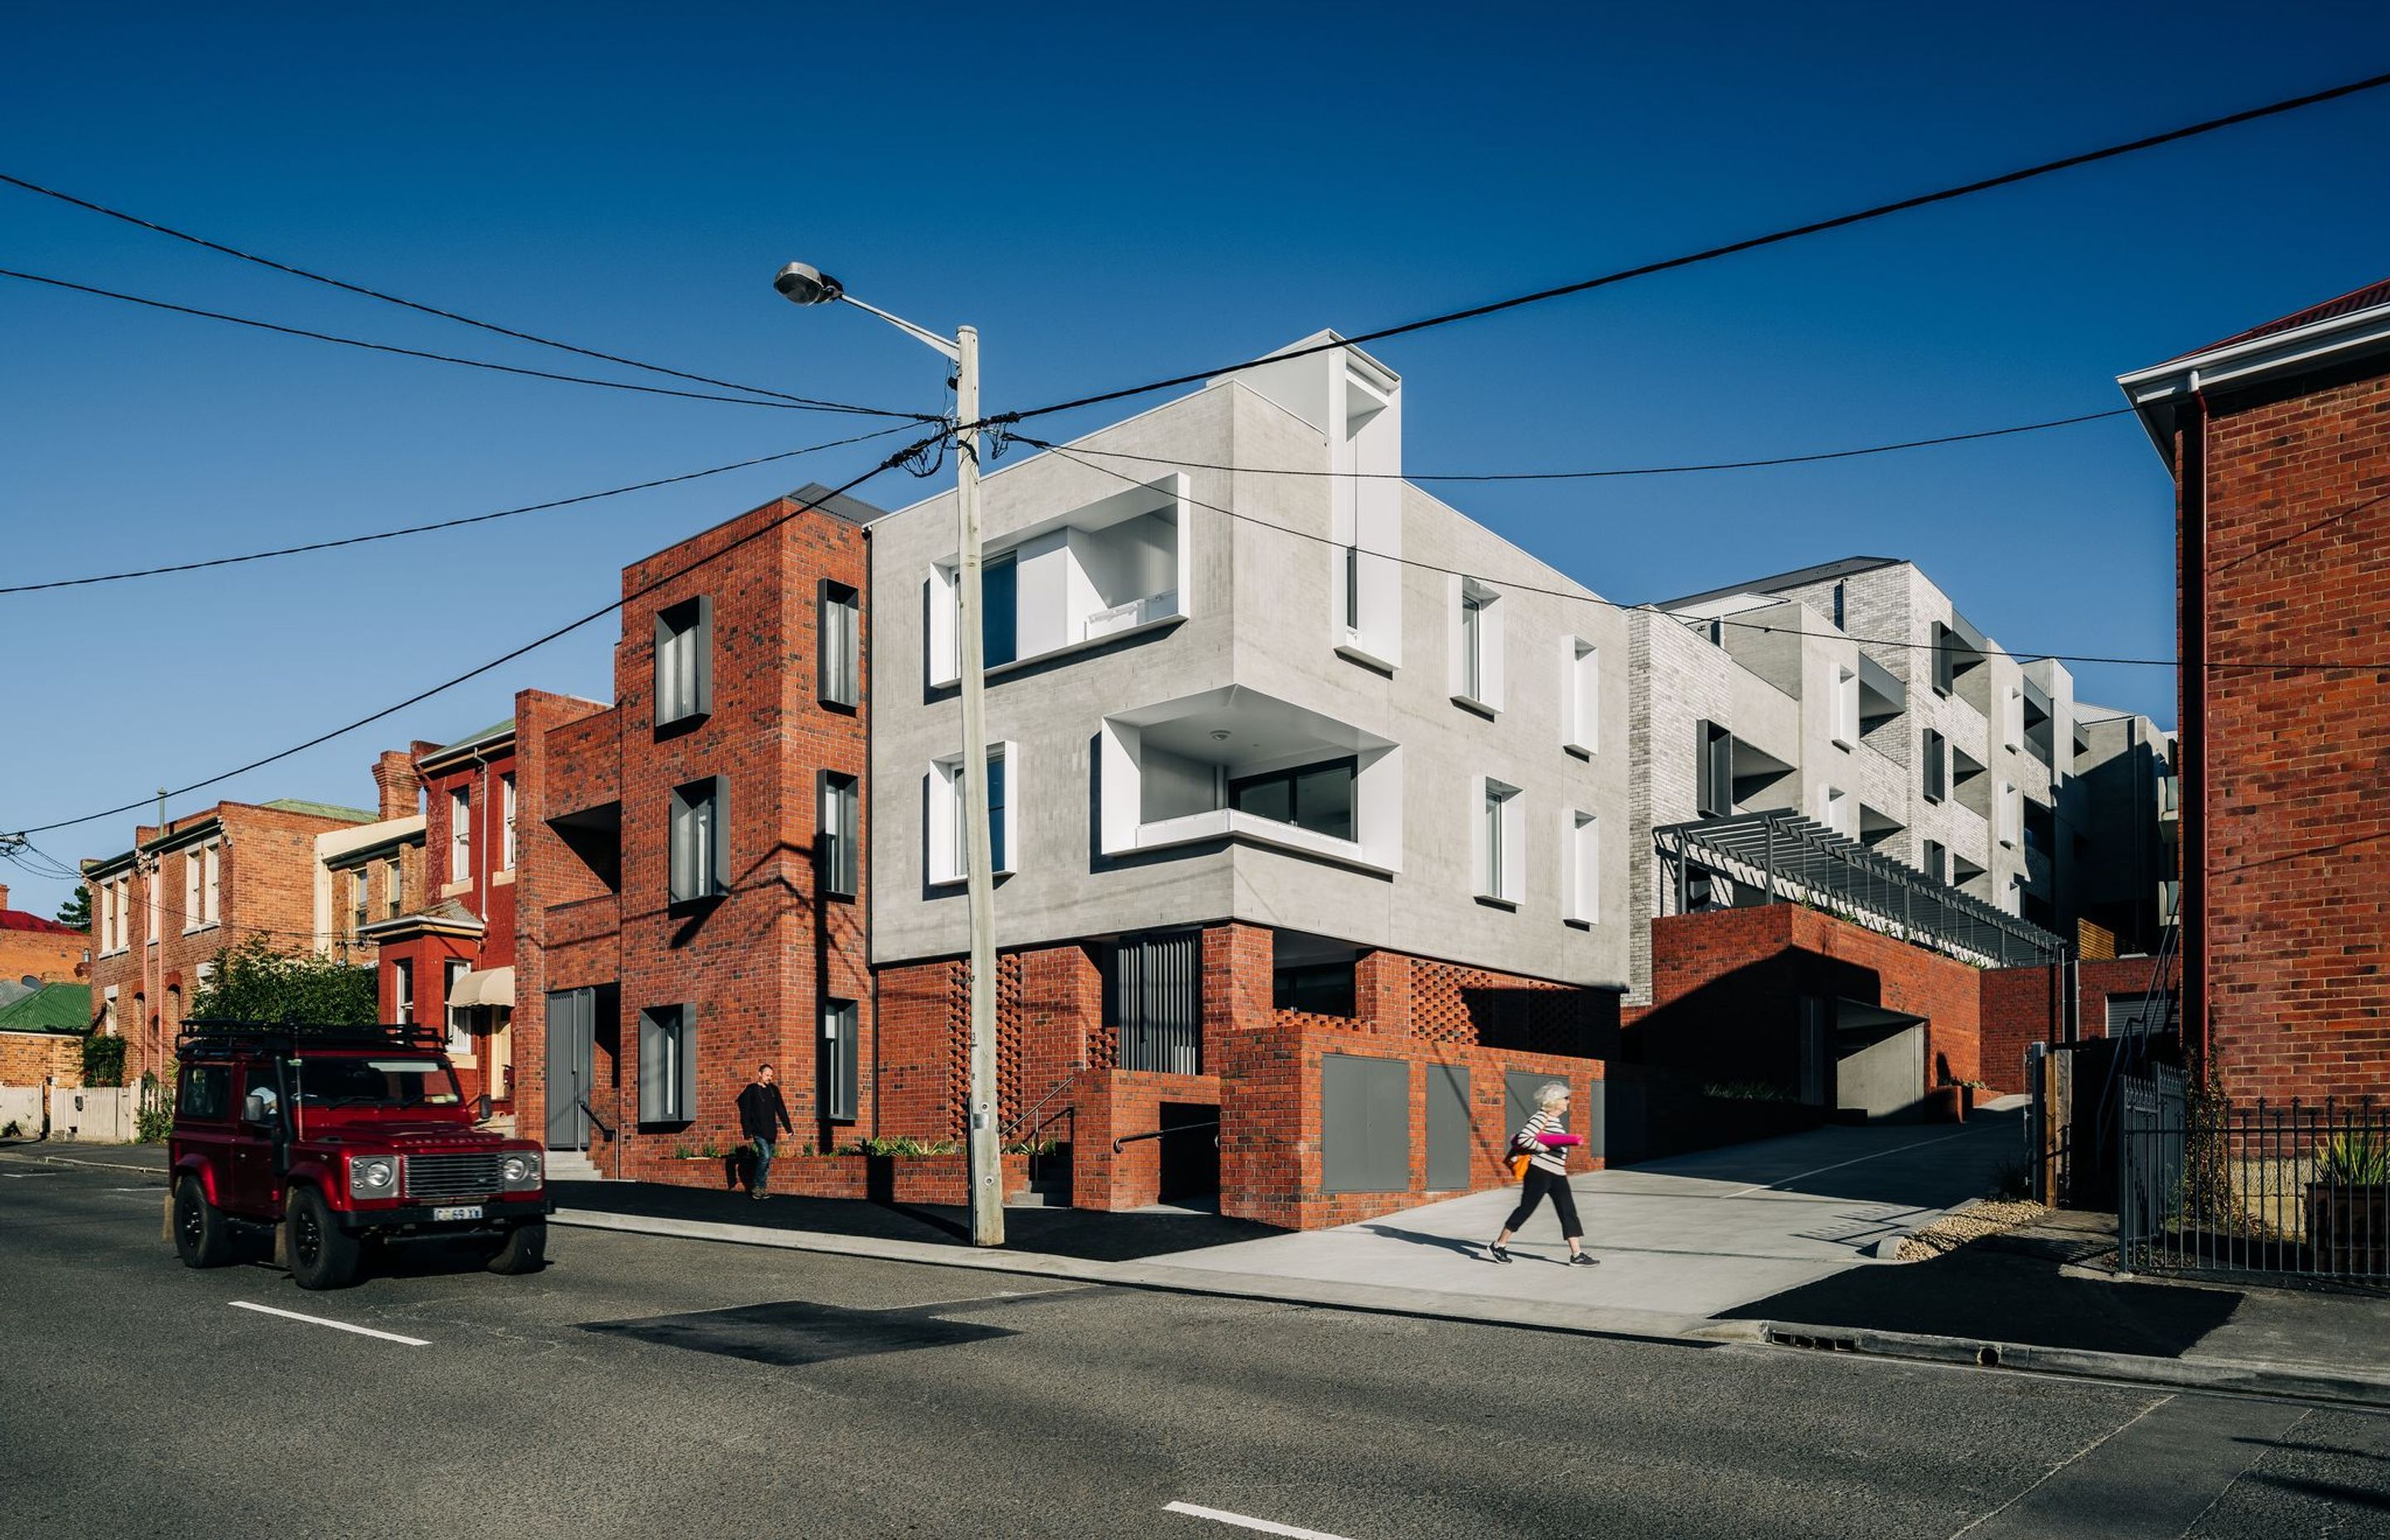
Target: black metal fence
{"points": [[2302, 1190]]}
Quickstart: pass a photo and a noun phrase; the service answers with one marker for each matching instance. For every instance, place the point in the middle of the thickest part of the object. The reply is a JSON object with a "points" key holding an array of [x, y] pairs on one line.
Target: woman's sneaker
{"points": [[1496, 1254], [1578, 1259]]}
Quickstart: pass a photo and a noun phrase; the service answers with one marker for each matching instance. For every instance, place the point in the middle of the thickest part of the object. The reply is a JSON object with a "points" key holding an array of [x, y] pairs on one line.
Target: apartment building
{"points": [[1307, 799], [2279, 442]]}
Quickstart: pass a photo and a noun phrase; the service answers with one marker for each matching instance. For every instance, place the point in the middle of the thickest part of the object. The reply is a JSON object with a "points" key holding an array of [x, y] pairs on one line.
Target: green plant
{"points": [[712, 1151], [680, 1152], [2359, 1157], [2012, 1180], [1746, 1090], [254, 982], [902, 1145], [103, 1060], [1045, 1146]]}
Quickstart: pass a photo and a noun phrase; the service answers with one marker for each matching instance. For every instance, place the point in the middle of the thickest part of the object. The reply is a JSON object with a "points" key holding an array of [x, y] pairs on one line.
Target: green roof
{"points": [[52, 1007], [323, 810]]}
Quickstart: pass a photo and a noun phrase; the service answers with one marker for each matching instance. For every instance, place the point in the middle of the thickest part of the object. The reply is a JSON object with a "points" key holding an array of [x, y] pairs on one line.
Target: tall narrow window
{"points": [[1935, 750], [192, 878], [1936, 861], [1473, 646], [1580, 867], [360, 899], [1714, 793], [1500, 860], [460, 834], [393, 889], [840, 829], [402, 990], [668, 1064], [1838, 608], [461, 1017], [839, 1060], [999, 850], [506, 806], [684, 660], [840, 644], [699, 855], [999, 606], [1946, 660], [1581, 707], [1477, 644], [1847, 707], [948, 827], [211, 895], [1352, 571]]}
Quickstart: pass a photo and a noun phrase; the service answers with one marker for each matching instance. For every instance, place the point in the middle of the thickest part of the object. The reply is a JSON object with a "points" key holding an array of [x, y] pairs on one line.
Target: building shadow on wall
{"points": [[1578, 1023]]}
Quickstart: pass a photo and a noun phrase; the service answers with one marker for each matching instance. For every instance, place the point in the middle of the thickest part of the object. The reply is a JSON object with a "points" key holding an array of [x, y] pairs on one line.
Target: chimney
{"points": [[402, 788], [4, 896]]}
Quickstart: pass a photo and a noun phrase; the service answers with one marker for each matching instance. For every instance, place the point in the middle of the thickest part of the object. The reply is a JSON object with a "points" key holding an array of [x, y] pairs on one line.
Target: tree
{"points": [[76, 911], [253, 983]]}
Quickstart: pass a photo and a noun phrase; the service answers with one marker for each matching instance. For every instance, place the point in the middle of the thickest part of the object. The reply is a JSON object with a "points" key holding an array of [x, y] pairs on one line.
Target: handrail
{"points": [[1013, 1132], [591, 1113], [1181, 1128]]}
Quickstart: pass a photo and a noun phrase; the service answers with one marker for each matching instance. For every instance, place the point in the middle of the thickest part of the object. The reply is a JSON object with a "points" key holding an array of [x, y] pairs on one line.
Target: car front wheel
{"points": [[202, 1234], [321, 1256], [525, 1249]]}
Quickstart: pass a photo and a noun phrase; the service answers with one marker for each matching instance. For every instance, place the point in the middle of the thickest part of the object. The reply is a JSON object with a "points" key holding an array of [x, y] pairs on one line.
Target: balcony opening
{"points": [[1315, 974], [595, 834]]}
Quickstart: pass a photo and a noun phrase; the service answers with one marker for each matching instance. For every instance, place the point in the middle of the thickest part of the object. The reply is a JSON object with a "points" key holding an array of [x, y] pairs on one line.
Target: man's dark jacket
{"points": [[762, 1113]]}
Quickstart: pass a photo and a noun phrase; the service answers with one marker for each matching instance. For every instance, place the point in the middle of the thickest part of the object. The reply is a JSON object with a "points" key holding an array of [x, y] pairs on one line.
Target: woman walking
{"points": [[1545, 1152]]}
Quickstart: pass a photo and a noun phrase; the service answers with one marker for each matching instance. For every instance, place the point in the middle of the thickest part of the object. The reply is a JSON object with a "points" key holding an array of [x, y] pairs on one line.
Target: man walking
{"points": [[762, 1115]]}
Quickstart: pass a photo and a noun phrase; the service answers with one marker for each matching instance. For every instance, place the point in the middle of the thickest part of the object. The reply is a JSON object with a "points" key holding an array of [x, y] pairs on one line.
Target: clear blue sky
{"points": [[1110, 193]]}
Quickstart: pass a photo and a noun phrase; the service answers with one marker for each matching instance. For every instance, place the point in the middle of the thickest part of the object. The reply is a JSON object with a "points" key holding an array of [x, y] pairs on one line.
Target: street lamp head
{"points": [[803, 284]]}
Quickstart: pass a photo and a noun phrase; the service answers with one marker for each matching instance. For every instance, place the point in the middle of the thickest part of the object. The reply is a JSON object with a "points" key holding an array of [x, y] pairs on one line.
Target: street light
{"points": [[803, 284]]}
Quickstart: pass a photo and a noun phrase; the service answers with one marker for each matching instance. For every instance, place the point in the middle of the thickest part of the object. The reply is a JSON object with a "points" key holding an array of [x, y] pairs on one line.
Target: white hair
{"points": [[1553, 1093]]}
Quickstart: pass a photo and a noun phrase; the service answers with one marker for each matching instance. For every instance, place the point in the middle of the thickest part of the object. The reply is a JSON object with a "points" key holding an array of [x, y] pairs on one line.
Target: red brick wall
{"points": [[2023, 1004], [52, 956], [26, 1057], [2289, 805]]}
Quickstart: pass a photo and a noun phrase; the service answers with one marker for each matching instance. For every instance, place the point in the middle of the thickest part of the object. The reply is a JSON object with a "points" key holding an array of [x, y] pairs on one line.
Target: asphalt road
{"points": [[681, 1388]]}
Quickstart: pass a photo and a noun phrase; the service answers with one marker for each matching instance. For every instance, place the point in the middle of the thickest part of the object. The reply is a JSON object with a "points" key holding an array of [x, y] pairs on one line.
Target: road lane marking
{"points": [[1221, 1516], [27, 1175], [1838, 1165], [337, 1326], [2062, 1465]]}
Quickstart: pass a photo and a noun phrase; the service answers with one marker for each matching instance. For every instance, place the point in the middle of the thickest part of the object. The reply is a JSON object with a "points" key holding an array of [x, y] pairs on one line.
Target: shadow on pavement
{"points": [[1929, 1165]]}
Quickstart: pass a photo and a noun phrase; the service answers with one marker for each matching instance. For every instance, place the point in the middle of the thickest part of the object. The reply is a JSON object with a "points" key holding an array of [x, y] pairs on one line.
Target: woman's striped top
{"points": [[1529, 1142]]}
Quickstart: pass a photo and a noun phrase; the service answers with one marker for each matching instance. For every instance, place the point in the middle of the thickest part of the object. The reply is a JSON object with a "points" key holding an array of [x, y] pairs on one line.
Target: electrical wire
{"points": [[2046, 167], [1597, 475], [445, 523], [476, 672], [1581, 597], [444, 357], [414, 304]]}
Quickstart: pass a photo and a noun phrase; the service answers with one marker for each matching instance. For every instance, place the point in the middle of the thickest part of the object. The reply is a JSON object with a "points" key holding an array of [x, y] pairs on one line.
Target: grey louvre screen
{"points": [[1157, 1002], [838, 1061], [668, 1064], [1364, 1124], [1447, 1127]]}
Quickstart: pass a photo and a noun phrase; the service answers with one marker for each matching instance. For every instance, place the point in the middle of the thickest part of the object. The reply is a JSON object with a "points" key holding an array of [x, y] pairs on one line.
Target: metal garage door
{"points": [[1364, 1124]]}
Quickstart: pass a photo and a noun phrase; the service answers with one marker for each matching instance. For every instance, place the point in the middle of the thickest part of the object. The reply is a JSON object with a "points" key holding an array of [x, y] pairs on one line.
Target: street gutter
{"points": [[159, 1172]]}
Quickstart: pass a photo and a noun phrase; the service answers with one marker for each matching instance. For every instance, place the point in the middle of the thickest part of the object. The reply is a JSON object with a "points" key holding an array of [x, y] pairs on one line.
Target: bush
{"points": [[103, 1060], [902, 1145], [2356, 1159], [1747, 1090], [254, 982], [154, 1119]]}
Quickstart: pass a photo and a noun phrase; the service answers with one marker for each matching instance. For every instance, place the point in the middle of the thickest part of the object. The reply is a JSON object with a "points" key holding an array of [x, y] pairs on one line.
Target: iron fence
{"points": [[2302, 1190]]}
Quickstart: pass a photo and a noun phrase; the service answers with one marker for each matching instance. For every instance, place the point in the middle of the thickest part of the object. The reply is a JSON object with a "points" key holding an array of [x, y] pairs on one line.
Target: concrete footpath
{"points": [[1763, 1243]]}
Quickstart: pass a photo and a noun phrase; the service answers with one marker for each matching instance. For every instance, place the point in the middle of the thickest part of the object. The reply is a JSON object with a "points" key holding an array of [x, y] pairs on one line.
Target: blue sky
{"points": [[1110, 194]]}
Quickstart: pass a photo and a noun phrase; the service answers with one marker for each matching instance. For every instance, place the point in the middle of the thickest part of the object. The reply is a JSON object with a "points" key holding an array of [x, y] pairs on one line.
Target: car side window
{"points": [[205, 1091], [260, 1081]]}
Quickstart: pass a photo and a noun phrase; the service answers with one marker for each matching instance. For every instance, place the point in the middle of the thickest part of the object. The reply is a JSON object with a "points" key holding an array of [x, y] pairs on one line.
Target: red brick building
{"points": [[2279, 438], [40, 949]]}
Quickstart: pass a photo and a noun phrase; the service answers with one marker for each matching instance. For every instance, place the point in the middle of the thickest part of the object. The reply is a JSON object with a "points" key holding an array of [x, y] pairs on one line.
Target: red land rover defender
{"points": [[342, 1135]]}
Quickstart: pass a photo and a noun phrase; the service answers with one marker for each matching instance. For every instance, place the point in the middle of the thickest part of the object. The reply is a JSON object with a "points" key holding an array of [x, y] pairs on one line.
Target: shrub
{"points": [[902, 1145], [2358, 1159], [103, 1060], [1746, 1090]]}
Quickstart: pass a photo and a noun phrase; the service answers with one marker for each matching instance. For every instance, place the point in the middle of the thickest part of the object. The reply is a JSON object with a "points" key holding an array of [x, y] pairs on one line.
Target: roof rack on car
{"points": [[227, 1032]]}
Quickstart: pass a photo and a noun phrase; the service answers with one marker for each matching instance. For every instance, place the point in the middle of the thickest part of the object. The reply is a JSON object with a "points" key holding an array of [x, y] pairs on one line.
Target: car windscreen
{"points": [[347, 1082]]}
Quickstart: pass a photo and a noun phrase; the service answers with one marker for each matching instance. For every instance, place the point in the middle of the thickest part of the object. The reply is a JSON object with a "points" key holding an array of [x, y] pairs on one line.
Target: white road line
{"points": [[1862, 1160], [337, 1326], [1221, 1516], [26, 1175], [2061, 1466]]}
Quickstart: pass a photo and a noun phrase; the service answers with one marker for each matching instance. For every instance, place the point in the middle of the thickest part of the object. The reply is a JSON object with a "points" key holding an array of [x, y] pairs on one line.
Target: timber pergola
{"points": [[1794, 859]]}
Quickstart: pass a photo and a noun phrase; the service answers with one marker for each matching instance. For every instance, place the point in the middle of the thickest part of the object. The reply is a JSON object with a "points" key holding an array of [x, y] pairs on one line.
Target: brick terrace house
{"points": [[2279, 440], [184, 891], [449, 957], [40, 949], [689, 890], [370, 871]]}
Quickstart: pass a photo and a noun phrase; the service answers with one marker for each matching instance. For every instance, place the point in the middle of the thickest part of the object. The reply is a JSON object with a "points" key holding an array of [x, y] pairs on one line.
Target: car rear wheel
{"points": [[525, 1249], [321, 1257], [202, 1236]]}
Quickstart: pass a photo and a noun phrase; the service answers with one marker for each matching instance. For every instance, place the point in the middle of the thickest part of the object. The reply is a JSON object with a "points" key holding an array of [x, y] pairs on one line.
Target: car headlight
{"points": [[373, 1175], [521, 1171]]}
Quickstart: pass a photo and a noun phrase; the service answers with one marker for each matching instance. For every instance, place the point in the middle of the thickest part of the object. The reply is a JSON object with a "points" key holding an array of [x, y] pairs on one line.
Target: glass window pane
{"points": [[1323, 800], [999, 612], [1270, 797], [996, 797]]}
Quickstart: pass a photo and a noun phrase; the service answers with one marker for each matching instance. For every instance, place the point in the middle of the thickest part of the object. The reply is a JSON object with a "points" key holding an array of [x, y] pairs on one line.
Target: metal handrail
{"points": [[591, 1113], [1051, 1091], [1132, 1138]]}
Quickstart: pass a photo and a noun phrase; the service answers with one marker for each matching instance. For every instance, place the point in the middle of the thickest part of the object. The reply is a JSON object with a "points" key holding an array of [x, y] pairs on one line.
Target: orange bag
{"points": [[1519, 1168]]}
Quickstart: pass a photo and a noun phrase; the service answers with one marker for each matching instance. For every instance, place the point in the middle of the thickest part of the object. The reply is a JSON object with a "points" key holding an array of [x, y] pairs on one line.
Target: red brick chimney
{"points": [[4, 896], [402, 788]]}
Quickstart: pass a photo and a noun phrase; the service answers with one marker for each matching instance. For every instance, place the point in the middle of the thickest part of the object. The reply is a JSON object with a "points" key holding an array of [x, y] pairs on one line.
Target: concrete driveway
{"points": [[1692, 1235]]}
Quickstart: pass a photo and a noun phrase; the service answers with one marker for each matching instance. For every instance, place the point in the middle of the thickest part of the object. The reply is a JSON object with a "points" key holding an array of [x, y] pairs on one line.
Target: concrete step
{"points": [[1039, 1196], [572, 1165]]}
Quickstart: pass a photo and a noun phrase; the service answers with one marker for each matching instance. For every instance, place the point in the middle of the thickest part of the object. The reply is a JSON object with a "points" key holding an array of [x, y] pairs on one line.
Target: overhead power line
{"points": [[1507, 585], [451, 358], [1592, 475], [1879, 210], [476, 672], [444, 523], [412, 305]]}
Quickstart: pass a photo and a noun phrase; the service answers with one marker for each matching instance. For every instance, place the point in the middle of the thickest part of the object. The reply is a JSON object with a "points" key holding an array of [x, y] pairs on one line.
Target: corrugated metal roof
{"points": [[22, 919], [2371, 297], [53, 1007]]}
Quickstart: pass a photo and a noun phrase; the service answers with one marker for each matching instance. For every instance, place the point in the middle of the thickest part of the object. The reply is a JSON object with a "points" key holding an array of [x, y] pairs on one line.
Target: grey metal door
{"points": [[1520, 1088], [571, 1041], [1447, 1126], [1364, 1124]]}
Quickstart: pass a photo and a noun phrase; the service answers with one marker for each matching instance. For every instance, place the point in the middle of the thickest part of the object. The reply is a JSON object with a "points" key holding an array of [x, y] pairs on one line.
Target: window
{"points": [[206, 1091], [1717, 632], [402, 990], [393, 889], [1581, 701], [361, 899], [1847, 707], [1500, 859], [506, 806], [1935, 753], [1714, 791], [668, 1064], [1477, 644], [157, 880], [1838, 608], [999, 614], [1833, 806], [460, 1018], [1936, 861], [1580, 867], [840, 829], [1317, 797], [211, 897], [700, 858], [1946, 660], [839, 662], [947, 831], [108, 1010], [838, 1061], [684, 660], [1322, 989], [1351, 565], [193, 876], [460, 834], [1155, 999]]}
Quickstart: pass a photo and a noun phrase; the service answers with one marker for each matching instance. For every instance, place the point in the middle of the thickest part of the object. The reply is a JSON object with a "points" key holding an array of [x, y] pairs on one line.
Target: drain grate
{"points": [[798, 1332]]}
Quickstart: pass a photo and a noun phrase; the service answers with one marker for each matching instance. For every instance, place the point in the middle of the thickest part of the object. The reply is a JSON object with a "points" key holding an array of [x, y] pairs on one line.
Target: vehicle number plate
{"points": [[460, 1211]]}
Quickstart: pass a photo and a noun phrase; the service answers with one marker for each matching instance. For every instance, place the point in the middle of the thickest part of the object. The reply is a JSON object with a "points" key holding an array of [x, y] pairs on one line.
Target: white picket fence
{"points": [[101, 1115]]}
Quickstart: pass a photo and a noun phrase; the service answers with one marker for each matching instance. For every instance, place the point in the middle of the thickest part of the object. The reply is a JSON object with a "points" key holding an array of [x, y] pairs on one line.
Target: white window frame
{"points": [[1580, 867], [402, 993], [1497, 845], [460, 834], [194, 869], [1476, 651], [157, 880], [393, 889], [944, 848], [459, 1018], [1847, 707], [1580, 696], [212, 892], [507, 804], [361, 909]]}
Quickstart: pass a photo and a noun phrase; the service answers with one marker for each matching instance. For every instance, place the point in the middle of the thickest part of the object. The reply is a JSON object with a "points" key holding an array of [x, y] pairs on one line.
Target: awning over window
{"points": [[487, 987]]}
